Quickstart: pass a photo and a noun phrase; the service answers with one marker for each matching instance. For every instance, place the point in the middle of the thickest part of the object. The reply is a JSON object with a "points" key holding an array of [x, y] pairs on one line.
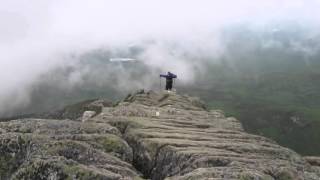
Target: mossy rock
{"points": [[59, 168], [65, 148], [285, 175], [14, 151], [112, 143], [253, 176]]}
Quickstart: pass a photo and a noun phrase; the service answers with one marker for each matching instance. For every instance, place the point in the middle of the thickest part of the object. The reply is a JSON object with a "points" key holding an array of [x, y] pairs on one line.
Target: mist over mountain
{"points": [[248, 52], [258, 61]]}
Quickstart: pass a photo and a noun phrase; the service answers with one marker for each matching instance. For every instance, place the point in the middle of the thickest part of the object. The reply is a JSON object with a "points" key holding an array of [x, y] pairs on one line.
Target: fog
{"points": [[56, 44]]}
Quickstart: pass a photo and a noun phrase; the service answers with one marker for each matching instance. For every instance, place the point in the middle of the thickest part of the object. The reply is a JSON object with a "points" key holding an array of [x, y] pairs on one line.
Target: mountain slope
{"points": [[150, 135]]}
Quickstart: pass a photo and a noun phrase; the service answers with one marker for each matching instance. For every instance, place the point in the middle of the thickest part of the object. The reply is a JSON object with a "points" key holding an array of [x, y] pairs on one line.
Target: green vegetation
{"points": [[283, 104], [80, 173], [112, 143], [13, 153], [58, 168]]}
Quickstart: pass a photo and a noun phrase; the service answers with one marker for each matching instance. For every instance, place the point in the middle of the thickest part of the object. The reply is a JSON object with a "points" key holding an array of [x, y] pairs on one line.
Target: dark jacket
{"points": [[169, 79], [168, 76]]}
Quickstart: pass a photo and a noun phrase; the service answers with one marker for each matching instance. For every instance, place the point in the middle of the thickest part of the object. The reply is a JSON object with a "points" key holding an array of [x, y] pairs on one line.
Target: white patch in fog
{"points": [[121, 59]]}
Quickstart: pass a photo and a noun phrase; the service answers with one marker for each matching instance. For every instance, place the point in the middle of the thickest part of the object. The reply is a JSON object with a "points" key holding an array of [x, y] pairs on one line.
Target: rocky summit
{"points": [[148, 135]]}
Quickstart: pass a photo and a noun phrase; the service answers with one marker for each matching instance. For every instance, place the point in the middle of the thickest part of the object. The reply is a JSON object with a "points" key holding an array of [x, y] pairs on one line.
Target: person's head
{"points": [[169, 72]]}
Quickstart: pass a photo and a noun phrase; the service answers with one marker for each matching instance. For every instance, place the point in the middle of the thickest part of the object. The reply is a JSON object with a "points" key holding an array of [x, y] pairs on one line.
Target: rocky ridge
{"points": [[148, 135]]}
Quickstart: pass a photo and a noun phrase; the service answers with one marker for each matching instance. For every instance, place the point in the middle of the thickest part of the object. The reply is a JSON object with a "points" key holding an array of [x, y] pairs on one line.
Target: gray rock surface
{"points": [[87, 115], [150, 135], [63, 149]]}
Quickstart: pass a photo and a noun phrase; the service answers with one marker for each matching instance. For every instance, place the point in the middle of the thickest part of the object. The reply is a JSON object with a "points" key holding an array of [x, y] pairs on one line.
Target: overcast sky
{"points": [[35, 35], [100, 21]]}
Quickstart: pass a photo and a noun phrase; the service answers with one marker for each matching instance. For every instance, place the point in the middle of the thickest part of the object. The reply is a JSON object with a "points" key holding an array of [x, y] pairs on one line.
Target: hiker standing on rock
{"points": [[169, 79]]}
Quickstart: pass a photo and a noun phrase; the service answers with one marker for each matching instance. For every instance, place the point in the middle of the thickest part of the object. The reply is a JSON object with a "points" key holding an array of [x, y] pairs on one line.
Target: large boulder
{"points": [[87, 115]]}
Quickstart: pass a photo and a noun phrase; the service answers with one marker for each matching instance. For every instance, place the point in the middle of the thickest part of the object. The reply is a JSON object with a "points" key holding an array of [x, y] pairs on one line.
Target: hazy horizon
{"points": [[39, 37]]}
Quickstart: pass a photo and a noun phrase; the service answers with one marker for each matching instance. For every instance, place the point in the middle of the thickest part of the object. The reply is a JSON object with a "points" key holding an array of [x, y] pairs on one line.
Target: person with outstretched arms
{"points": [[169, 79]]}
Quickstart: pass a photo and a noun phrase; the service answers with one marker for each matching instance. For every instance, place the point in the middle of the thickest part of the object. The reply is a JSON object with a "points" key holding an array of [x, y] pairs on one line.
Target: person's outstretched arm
{"points": [[162, 75], [173, 75]]}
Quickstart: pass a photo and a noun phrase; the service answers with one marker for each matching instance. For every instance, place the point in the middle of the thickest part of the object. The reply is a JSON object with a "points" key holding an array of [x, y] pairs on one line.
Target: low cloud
{"points": [[67, 45]]}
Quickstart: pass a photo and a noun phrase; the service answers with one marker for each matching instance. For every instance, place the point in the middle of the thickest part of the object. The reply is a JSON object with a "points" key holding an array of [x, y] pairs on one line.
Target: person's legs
{"points": [[170, 85], [167, 85]]}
